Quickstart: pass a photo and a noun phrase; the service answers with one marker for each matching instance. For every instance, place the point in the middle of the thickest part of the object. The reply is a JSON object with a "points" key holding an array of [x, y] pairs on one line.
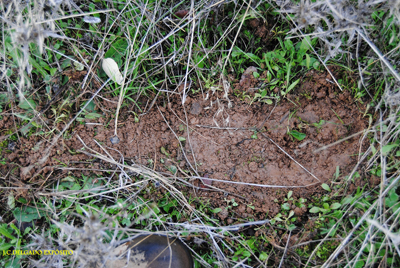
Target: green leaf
{"points": [[216, 210], [37, 67], [326, 187], [163, 151], [263, 256], [253, 57], [5, 246], [27, 104], [4, 97], [236, 51], [33, 122], [387, 148], [173, 169], [14, 262], [181, 139], [297, 135], [290, 193], [285, 206], [79, 209], [5, 232], [335, 206], [268, 101], [392, 198], [11, 201], [90, 107], [359, 264], [314, 210], [291, 213], [246, 253], [117, 50], [66, 63], [26, 214], [200, 61], [292, 85], [15, 229], [347, 200], [22, 200], [288, 44], [126, 222], [92, 116], [76, 187], [305, 44], [308, 60], [263, 93]]}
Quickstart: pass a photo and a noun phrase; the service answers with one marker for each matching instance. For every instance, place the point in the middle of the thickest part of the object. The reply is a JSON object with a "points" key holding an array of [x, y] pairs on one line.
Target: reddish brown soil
{"points": [[227, 151]]}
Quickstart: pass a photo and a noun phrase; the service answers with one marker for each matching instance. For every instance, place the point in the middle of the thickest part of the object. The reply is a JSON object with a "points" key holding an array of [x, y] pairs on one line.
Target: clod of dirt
{"points": [[253, 167], [260, 28], [246, 76], [223, 214], [181, 13], [247, 81], [300, 211], [308, 116], [254, 23], [196, 108]]}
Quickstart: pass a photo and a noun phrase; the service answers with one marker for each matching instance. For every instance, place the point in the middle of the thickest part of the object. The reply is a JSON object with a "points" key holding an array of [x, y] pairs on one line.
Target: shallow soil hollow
{"points": [[223, 143]]}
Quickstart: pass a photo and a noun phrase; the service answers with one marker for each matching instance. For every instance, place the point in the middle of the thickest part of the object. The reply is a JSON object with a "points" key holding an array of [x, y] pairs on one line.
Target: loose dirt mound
{"points": [[246, 144]]}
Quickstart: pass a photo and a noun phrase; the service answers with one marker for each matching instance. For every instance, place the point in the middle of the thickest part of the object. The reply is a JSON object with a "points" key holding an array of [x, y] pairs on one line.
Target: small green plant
{"points": [[325, 208], [231, 203], [283, 65], [319, 124], [297, 135], [285, 219], [301, 202], [164, 151]]}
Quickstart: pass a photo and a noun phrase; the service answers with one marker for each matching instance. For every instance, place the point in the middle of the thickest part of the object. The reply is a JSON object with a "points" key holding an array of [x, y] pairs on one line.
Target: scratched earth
{"points": [[245, 149]]}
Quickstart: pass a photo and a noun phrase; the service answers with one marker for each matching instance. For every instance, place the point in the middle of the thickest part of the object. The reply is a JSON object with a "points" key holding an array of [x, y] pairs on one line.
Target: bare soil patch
{"points": [[245, 144]]}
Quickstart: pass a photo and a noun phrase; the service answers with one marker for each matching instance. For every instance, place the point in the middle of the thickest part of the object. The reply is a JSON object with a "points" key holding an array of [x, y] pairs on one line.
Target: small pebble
{"points": [[114, 140], [56, 88], [11, 145]]}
